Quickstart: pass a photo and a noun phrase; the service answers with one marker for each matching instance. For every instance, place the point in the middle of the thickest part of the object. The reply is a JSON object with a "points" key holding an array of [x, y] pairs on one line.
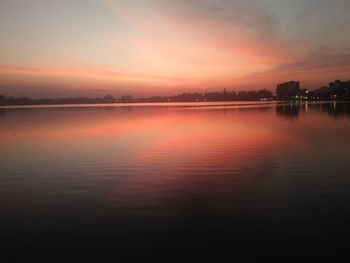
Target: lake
{"points": [[178, 178]]}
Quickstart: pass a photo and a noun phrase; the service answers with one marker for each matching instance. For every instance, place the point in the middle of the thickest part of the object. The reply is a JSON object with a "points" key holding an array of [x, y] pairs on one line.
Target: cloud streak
{"points": [[147, 45]]}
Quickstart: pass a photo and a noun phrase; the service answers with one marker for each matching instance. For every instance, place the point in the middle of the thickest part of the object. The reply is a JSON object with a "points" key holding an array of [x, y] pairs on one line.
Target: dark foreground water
{"points": [[151, 179]]}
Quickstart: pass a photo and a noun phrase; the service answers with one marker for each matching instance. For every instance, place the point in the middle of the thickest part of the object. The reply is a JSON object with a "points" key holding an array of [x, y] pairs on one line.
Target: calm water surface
{"points": [[175, 178]]}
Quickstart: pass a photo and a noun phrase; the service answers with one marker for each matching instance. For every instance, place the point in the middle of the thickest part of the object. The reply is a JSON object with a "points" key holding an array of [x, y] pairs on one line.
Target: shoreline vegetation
{"points": [[284, 92], [184, 97]]}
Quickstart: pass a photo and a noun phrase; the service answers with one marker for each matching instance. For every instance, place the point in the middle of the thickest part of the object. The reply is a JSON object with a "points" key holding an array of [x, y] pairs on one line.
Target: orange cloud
{"points": [[163, 46]]}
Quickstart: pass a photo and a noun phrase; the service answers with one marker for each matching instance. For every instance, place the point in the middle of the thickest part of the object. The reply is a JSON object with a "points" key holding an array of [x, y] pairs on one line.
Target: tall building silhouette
{"points": [[288, 90]]}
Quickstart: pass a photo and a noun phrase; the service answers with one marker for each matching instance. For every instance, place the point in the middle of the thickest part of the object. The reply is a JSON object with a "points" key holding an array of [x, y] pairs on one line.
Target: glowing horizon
{"points": [[149, 47]]}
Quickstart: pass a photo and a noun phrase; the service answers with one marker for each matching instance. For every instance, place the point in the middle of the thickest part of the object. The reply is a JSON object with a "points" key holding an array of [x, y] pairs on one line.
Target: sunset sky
{"points": [[150, 47]]}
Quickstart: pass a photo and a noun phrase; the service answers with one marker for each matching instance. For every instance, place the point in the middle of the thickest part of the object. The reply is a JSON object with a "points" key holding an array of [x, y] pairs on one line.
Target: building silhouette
{"points": [[288, 90], [339, 89]]}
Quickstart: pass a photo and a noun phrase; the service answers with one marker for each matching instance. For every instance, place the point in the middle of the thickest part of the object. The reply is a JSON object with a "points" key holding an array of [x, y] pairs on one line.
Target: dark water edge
{"points": [[247, 182]]}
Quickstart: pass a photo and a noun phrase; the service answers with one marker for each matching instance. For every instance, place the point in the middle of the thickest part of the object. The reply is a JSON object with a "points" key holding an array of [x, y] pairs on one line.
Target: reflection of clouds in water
{"points": [[140, 172]]}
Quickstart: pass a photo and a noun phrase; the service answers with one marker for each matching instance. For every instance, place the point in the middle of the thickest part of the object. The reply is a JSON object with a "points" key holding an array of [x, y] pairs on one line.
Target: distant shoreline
{"points": [[146, 104], [166, 104], [289, 91]]}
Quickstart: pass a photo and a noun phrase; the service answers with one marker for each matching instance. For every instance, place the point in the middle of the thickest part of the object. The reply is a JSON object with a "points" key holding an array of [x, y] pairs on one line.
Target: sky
{"points": [[51, 48]]}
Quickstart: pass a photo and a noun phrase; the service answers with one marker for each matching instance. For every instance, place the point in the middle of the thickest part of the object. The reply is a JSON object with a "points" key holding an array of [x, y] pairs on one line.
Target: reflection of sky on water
{"points": [[214, 171]]}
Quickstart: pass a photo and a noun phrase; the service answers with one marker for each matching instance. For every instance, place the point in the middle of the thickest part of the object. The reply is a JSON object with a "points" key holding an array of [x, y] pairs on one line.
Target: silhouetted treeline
{"points": [[47, 101], [337, 90], [184, 97], [211, 96]]}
